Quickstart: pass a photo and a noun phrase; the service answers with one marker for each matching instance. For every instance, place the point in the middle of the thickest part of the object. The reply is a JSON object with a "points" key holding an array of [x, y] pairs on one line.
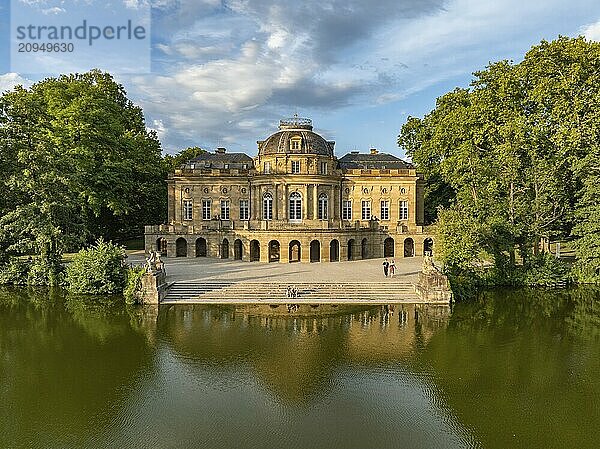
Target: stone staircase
{"points": [[275, 293]]}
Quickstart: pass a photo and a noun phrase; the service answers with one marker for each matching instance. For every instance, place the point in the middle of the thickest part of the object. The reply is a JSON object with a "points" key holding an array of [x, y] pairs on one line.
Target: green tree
{"points": [[78, 163], [173, 162], [513, 158]]}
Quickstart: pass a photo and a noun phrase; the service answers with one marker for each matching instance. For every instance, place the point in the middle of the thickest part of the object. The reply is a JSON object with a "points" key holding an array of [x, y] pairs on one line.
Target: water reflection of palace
{"points": [[297, 354]]}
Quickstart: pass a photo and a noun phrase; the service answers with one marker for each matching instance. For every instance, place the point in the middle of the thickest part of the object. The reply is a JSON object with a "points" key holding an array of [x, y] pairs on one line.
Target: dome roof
{"points": [[295, 129]]}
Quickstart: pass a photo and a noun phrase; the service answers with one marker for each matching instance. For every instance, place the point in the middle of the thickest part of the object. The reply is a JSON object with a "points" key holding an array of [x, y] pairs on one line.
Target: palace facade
{"points": [[294, 202]]}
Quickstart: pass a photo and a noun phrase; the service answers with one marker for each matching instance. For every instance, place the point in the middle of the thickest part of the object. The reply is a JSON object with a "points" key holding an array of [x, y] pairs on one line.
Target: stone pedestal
{"points": [[153, 287], [433, 286]]}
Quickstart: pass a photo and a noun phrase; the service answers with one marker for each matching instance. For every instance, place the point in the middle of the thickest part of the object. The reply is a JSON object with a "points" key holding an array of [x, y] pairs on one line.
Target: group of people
{"points": [[291, 292], [293, 308], [389, 268]]}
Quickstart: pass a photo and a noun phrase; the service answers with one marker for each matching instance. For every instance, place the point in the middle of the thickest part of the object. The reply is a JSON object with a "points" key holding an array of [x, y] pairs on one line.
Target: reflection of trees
{"points": [[522, 363], [101, 318], [69, 363]]}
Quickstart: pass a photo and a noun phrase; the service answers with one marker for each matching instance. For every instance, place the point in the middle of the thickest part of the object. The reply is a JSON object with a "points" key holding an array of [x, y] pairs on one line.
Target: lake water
{"points": [[514, 369]]}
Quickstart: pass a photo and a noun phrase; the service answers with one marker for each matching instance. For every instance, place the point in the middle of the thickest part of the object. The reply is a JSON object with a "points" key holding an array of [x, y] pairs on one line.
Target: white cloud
{"points": [[591, 31], [159, 127], [53, 11], [11, 79], [228, 73]]}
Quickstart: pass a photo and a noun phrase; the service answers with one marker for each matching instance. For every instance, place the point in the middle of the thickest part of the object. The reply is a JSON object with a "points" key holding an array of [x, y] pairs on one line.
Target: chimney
{"points": [[220, 150], [374, 151]]}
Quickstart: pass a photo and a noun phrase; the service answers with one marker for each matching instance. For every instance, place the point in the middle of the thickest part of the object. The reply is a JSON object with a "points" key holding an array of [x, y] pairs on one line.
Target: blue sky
{"points": [[224, 72]]}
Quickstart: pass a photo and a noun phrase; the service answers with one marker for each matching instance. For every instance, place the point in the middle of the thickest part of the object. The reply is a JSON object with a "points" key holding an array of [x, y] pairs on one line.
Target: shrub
{"points": [[545, 270], [15, 272], [98, 270], [133, 284]]}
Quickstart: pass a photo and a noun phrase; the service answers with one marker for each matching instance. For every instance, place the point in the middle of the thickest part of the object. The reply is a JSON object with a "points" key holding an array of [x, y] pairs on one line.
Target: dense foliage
{"points": [[173, 162], [512, 161], [77, 163], [97, 270], [133, 284]]}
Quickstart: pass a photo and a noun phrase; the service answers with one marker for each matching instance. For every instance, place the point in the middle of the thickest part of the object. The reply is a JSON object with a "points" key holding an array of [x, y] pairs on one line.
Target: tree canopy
{"points": [[513, 159], [173, 162], [77, 163]]}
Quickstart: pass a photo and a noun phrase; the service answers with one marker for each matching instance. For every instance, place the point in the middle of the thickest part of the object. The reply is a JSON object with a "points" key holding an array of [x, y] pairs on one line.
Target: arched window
{"points": [[323, 202], [267, 206], [295, 206]]}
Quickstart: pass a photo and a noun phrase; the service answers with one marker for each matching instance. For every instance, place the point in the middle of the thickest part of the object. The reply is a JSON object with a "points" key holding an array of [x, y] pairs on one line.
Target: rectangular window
{"points": [[295, 206], [226, 166], [403, 210], [267, 167], [267, 207], [323, 206], [295, 144], [295, 166], [224, 209], [323, 168], [385, 210], [187, 209], [347, 210], [244, 210], [206, 209], [366, 210]]}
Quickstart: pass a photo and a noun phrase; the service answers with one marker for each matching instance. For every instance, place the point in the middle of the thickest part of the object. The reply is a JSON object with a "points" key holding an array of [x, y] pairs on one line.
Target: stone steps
{"points": [[265, 292]]}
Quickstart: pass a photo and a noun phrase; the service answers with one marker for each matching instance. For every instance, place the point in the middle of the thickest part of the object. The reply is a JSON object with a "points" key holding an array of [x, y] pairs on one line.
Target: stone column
{"points": [[331, 204], [305, 250], [255, 212], [285, 201], [315, 199], [325, 249], [284, 251], [305, 202], [264, 251], [275, 202]]}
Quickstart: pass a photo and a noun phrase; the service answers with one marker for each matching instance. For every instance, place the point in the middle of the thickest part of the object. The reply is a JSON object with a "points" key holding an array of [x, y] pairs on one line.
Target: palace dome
{"points": [[295, 136]]}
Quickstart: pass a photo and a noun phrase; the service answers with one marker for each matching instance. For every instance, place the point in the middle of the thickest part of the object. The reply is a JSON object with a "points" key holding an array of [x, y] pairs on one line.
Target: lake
{"points": [[514, 368]]}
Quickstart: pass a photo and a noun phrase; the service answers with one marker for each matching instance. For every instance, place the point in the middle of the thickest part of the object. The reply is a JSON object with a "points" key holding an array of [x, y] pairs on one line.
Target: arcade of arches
{"points": [[296, 250]]}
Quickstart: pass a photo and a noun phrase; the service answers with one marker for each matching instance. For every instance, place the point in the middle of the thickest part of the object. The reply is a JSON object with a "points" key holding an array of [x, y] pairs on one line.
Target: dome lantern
{"points": [[295, 136]]}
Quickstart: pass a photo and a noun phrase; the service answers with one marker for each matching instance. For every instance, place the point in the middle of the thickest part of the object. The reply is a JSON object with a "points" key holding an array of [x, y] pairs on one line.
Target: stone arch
{"points": [[238, 249], [274, 251], [181, 247], [388, 247], [201, 247], [351, 249], [315, 251], [254, 251], [225, 249], [334, 251], [428, 246], [295, 251], [409, 247], [161, 246], [364, 250]]}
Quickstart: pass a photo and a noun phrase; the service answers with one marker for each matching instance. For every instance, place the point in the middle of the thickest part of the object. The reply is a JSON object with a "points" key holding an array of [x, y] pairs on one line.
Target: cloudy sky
{"points": [[225, 71]]}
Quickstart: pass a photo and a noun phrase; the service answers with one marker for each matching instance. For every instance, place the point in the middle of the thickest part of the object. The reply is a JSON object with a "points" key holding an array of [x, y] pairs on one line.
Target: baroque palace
{"points": [[294, 202]]}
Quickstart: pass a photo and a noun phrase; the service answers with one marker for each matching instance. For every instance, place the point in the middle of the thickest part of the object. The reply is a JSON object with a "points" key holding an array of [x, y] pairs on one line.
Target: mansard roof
{"points": [[373, 160], [220, 157]]}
